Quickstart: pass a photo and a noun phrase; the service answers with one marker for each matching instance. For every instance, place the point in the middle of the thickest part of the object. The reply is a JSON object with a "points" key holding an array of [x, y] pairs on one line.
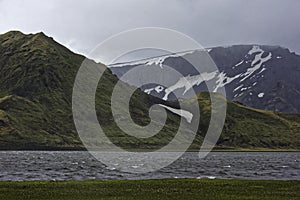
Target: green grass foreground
{"points": [[152, 189]]}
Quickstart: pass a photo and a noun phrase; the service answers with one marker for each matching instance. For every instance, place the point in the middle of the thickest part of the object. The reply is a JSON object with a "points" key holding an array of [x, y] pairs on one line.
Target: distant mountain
{"points": [[259, 76], [36, 82]]}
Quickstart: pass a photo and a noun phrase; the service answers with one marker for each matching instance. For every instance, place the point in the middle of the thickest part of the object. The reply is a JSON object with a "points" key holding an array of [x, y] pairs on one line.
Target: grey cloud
{"points": [[81, 25]]}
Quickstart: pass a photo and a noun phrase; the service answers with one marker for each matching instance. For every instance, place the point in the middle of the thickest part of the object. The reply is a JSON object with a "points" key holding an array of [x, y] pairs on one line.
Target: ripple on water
{"points": [[64, 165]]}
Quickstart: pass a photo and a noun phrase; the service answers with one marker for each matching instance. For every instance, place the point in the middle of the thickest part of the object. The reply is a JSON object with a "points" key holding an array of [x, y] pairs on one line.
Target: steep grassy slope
{"points": [[36, 82], [35, 85], [252, 128], [249, 128]]}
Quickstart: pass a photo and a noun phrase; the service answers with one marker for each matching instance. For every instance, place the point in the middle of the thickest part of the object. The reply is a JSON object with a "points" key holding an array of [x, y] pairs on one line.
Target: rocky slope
{"points": [[259, 76]]}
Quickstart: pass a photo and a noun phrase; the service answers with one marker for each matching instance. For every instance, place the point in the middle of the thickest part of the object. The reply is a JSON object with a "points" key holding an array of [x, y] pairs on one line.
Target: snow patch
{"points": [[148, 91], [263, 69], [254, 49], [159, 89], [150, 61], [238, 87], [239, 63], [188, 82], [261, 95], [257, 62], [183, 113], [224, 80], [241, 94], [244, 89], [159, 60]]}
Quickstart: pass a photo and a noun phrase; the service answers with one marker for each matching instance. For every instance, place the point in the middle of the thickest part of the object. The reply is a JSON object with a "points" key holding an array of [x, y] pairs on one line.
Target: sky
{"points": [[82, 24]]}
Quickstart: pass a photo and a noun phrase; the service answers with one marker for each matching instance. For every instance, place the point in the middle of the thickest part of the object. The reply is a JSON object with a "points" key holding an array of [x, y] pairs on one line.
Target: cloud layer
{"points": [[81, 25]]}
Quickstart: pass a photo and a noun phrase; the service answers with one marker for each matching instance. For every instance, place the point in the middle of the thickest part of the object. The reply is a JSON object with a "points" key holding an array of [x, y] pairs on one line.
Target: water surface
{"points": [[80, 165]]}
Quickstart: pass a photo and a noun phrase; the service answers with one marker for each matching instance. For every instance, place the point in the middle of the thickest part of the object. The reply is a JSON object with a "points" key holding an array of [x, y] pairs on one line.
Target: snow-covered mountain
{"points": [[264, 77]]}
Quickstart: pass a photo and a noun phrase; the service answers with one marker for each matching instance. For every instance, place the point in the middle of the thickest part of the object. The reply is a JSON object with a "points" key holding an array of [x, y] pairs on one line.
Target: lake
{"points": [[80, 165]]}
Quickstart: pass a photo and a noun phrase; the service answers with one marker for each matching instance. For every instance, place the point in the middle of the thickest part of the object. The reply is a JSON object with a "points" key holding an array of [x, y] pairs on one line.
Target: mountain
{"points": [[259, 76], [36, 82]]}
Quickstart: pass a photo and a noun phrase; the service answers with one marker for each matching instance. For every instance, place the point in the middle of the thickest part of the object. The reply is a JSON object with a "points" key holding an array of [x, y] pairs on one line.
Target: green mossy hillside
{"points": [[36, 82]]}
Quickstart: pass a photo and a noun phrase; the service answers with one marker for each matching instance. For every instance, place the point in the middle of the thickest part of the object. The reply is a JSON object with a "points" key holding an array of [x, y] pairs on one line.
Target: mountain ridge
{"points": [[36, 99], [246, 71]]}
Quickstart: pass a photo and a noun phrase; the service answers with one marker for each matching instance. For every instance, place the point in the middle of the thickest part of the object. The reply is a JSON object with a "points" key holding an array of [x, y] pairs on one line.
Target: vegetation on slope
{"points": [[36, 82]]}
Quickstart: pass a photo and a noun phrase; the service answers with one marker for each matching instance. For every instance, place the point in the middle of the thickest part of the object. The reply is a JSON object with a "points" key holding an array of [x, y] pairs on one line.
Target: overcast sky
{"points": [[81, 25]]}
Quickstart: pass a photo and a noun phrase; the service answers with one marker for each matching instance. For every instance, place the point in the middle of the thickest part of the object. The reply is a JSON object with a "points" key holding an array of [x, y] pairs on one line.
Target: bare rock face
{"points": [[263, 77]]}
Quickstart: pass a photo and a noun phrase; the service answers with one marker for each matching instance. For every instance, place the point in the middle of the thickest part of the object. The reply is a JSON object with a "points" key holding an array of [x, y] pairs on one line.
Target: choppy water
{"points": [[70, 165]]}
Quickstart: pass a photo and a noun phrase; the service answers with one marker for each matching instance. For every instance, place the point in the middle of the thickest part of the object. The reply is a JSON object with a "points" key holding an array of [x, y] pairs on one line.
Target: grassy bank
{"points": [[152, 189]]}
